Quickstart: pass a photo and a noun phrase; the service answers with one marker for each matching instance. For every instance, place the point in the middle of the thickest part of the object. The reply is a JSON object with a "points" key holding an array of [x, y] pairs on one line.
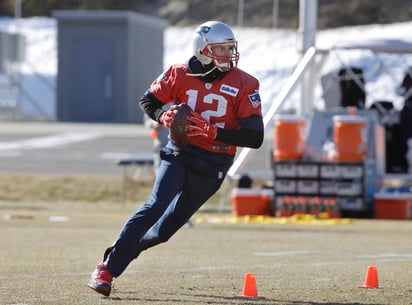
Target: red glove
{"points": [[167, 117], [200, 127]]}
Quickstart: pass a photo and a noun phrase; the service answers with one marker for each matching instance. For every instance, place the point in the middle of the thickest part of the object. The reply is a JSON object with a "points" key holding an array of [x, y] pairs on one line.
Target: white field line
{"points": [[48, 141]]}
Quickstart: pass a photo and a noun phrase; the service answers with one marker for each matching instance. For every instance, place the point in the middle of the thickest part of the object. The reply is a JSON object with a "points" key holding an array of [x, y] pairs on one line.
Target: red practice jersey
{"points": [[222, 102]]}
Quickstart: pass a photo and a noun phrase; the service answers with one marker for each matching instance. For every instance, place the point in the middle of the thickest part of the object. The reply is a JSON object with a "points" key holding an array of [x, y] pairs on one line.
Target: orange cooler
{"points": [[350, 138], [289, 137], [253, 202], [393, 205]]}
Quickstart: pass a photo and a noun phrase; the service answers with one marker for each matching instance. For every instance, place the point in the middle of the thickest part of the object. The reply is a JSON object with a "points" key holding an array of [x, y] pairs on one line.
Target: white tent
{"points": [[312, 63], [393, 46]]}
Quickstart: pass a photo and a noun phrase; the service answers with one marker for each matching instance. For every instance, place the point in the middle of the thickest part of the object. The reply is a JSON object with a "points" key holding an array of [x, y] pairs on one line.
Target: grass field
{"points": [[48, 251]]}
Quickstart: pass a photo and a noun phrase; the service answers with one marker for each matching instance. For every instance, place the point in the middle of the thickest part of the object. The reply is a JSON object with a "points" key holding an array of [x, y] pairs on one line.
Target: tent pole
{"points": [[307, 28]]}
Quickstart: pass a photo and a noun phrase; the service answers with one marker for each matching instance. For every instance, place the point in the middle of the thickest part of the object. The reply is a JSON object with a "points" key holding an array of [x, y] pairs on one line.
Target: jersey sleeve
{"points": [[249, 102], [164, 87]]}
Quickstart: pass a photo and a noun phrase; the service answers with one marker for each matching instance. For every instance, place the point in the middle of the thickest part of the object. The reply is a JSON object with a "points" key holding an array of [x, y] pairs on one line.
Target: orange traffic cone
{"points": [[371, 278], [249, 286], [153, 133]]}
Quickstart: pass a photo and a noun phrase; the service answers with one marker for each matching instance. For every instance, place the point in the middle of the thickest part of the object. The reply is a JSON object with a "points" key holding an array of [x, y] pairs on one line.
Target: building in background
{"points": [[106, 60]]}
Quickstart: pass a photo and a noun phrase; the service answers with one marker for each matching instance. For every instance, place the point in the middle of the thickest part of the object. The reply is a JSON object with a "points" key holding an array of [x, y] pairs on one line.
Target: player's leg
{"points": [[171, 177], [196, 191], [125, 248]]}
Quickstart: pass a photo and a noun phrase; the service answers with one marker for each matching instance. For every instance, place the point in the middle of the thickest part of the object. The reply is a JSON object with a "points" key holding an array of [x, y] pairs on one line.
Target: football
{"points": [[178, 130]]}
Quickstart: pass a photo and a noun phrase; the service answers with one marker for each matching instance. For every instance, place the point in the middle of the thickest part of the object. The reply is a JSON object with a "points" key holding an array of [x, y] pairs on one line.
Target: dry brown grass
{"points": [[82, 189], [24, 188], [44, 262]]}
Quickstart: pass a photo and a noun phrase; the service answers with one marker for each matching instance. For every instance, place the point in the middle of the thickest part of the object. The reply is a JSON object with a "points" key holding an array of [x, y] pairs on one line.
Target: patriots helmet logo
{"points": [[203, 30]]}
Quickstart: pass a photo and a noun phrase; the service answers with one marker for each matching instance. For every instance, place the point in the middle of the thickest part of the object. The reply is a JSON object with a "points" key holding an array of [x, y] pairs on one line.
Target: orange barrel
{"points": [[289, 138], [349, 135]]}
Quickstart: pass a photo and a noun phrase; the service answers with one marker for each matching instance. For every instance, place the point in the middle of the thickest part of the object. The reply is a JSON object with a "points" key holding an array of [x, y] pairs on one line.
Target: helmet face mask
{"points": [[214, 42], [224, 55]]}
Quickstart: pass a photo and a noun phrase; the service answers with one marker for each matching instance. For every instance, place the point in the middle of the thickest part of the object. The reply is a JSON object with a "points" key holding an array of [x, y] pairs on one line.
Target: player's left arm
{"points": [[250, 134], [251, 131]]}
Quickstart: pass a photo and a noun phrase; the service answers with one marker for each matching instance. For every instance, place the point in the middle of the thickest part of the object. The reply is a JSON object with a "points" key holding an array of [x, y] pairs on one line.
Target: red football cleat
{"points": [[101, 280]]}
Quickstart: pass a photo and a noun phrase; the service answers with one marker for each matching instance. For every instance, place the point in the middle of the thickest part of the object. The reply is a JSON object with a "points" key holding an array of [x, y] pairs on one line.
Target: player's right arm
{"points": [[160, 93], [150, 105]]}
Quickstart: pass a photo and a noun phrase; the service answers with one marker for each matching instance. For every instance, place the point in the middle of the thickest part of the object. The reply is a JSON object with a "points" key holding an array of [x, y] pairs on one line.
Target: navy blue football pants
{"points": [[178, 192]]}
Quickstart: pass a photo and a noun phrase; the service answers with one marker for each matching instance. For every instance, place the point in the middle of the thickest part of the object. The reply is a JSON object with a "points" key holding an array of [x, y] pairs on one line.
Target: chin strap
{"points": [[202, 74]]}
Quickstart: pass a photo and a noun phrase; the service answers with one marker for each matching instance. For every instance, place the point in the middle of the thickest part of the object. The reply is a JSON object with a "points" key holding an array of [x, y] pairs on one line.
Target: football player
{"points": [[226, 113]]}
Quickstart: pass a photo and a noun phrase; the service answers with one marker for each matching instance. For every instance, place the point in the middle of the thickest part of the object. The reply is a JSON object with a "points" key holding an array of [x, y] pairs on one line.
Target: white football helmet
{"points": [[209, 38]]}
